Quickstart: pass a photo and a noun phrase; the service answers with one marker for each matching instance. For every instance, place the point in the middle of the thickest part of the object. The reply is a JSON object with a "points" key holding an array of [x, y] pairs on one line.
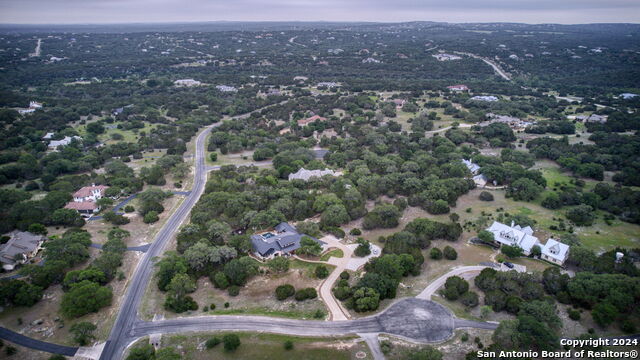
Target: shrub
{"points": [[212, 307], [386, 346], [449, 253], [10, 350], [213, 156], [205, 308], [511, 251], [234, 290], [180, 305], [226, 305], [213, 342], [306, 293], [628, 326], [435, 254], [355, 232], [129, 209], [363, 249], [344, 275], [151, 217], [231, 342], [285, 291], [220, 280], [319, 314], [288, 345], [342, 292], [469, 299], [321, 272], [574, 314], [486, 196]]}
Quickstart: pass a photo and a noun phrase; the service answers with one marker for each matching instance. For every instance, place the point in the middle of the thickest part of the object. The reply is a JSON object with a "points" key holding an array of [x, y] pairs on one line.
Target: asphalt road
{"points": [[414, 319], [122, 329], [22, 340]]}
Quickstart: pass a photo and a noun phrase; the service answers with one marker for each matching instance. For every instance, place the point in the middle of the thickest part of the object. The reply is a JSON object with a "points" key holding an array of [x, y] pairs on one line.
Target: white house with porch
{"points": [[555, 252], [514, 235]]}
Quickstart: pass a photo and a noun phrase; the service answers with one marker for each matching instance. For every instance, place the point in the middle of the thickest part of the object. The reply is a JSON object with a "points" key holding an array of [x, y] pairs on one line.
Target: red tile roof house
{"points": [[307, 121], [458, 88], [89, 193], [84, 200]]}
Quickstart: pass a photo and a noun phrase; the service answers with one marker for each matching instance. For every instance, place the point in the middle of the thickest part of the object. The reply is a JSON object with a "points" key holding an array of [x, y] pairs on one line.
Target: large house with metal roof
{"points": [[522, 237], [555, 252], [282, 240], [514, 235]]}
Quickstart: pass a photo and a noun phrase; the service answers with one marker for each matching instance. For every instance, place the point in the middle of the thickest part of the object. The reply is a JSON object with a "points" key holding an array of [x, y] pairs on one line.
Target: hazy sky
{"points": [[119, 11]]}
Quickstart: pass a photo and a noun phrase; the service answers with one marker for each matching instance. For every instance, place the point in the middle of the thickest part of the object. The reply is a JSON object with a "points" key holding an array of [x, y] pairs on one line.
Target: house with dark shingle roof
{"points": [[282, 240], [20, 247]]}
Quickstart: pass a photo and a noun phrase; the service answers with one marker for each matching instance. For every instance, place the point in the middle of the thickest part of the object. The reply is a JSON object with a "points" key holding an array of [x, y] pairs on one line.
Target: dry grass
{"points": [[256, 297]]}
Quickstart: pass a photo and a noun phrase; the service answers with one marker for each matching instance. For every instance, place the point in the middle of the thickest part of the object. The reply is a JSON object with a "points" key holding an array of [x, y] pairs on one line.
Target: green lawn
{"points": [[337, 253]]}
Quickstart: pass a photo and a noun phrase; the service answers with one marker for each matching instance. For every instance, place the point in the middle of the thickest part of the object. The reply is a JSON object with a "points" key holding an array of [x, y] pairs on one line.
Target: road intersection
{"points": [[414, 319]]}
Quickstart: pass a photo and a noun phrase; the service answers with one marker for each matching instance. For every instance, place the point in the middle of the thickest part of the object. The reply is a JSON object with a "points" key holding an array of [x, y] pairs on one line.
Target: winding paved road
{"points": [[414, 319], [122, 330]]}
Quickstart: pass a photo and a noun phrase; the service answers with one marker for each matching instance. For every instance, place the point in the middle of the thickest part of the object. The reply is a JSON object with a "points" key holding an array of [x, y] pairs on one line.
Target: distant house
{"points": [[514, 123], [26, 111], [48, 136], [35, 105], [306, 175], [593, 118], [328, 84], [489, 98], [555, 252], [514, 235], [370, 60], [459, 87], [282, 240], [85, 208], [53, 144], [446, 57], [628, 96], [309, 120], [89, 193], [187, 82], [479, 179], [21, 247], [84, 200], [399, 103], [225, 88]]}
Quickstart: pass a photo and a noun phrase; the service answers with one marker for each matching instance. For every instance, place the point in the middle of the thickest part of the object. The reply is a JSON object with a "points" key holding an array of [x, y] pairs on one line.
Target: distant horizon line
{"points": [[302, 22]]}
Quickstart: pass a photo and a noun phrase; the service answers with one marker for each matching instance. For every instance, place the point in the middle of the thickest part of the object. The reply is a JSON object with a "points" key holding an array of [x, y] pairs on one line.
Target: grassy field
{"points": [[266, 346]]}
